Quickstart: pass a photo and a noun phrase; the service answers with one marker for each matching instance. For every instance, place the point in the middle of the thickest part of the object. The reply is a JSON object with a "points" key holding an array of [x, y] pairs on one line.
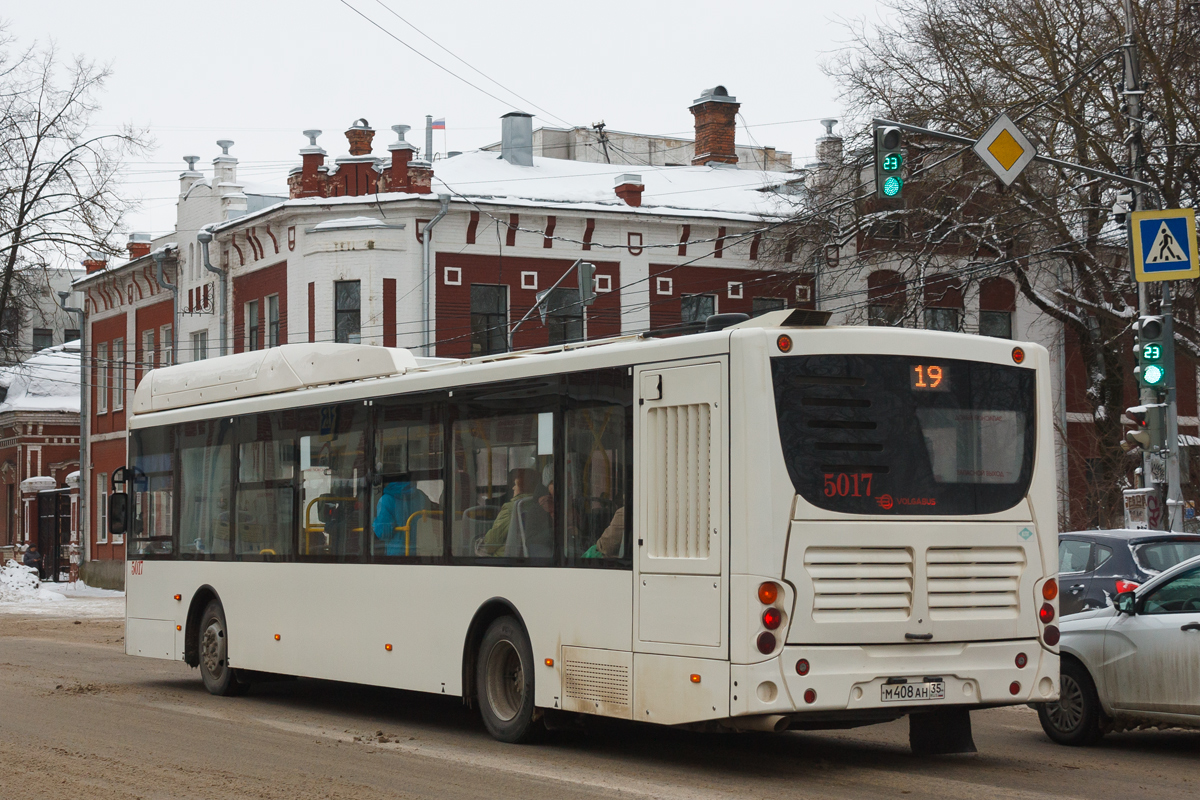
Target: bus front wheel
{"points": [[213, 647], [504, 681]]}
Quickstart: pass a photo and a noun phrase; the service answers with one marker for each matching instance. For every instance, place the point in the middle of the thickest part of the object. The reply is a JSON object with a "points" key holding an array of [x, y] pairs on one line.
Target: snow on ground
{"points": [[22, 593]]}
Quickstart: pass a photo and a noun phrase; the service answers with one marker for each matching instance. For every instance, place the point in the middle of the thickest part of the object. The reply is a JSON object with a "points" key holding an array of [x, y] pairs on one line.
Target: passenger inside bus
{"points": [[524, 483], [401, 499]]}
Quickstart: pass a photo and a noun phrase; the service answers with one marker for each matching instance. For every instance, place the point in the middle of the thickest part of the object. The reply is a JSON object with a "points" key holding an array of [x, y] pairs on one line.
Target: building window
{"points": [[761, 305], [697, 307], [942, 319], [71, 335], [148, 353], [996, 323], [273, 321], [489, 319], [10, 325], [167, 336], [102, 508], [254, 342], [199, 345], [102, 378], [118, 374], [565, 317], [347, 308], [886, 298], [42, 338]]}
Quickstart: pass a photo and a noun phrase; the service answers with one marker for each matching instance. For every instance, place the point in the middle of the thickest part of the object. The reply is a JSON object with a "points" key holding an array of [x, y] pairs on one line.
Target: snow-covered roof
{"points": [[483, 177], [49, 381]]}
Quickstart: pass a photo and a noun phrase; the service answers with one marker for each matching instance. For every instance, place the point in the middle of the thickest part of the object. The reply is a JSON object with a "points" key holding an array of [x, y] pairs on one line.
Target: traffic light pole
{"points": [[1174, 521]]}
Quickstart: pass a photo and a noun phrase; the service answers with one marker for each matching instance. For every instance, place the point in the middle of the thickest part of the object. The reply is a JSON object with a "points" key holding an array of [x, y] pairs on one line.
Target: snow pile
{"points": [[20, 584]]}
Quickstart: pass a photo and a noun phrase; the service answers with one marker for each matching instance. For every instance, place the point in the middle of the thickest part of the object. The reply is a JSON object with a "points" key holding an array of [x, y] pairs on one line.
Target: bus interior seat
{"points": [[529, 536], [476, 522]]}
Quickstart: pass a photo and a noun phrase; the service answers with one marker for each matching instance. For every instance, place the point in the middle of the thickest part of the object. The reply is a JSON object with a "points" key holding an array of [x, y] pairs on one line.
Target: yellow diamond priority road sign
{"points": [[1005, 149]]}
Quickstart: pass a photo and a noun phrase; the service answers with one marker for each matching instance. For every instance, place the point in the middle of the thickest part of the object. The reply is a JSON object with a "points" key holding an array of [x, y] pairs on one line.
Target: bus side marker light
{"points": [[771, 618], [387, 647], [802, 666], [1022, 660], [178, 627], [1050, 635], [810, 695], [549, 662], [768, 592], [277, 637], [1050, 589], [178, 597], [1014, 688], [784, 343], [1018, 355], [766, 642], [695, 678], [1046, 613]]}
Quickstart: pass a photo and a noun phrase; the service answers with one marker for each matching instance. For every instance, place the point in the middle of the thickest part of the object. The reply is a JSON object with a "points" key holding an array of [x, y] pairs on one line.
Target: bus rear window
{"points": [[891, 435]]}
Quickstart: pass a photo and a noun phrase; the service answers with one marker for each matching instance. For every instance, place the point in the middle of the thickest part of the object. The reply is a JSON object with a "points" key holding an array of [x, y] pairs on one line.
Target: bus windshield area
{"points": [[897, 435]]}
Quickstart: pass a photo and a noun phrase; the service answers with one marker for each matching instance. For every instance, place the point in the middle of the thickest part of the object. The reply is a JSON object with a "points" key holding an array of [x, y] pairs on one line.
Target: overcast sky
{"points": [[260, 71]]}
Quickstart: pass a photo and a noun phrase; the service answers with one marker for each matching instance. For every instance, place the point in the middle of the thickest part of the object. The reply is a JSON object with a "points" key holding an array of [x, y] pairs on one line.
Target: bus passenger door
{"points": [[681, 521]]}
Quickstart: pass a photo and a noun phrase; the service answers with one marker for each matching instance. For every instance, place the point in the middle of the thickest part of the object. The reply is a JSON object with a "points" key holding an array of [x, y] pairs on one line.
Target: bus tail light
{"points": [[802, 666], [1050, 635], [768, 593], [1050, 589], [766, 643], [1126, 586], [771, 618], [810, 696], [1014, 688], [1021, 660], [1046, 613]]}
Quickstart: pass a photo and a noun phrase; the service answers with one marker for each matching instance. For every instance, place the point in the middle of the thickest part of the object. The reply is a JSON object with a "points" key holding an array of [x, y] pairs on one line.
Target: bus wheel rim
{"points": [[505, 681], [212, 649], [1067, 713]]}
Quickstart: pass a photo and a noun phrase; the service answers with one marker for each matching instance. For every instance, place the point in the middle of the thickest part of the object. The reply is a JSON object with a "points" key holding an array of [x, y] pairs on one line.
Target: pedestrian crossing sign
{"points": [[1164, 245]]}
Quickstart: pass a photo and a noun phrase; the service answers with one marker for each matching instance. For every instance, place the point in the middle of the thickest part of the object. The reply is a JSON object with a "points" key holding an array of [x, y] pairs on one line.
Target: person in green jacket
{"points": [[524, 482]]}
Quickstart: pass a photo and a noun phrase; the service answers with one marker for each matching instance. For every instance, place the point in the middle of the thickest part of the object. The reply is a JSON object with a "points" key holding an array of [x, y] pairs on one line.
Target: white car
{"points": [[1131, 664]]}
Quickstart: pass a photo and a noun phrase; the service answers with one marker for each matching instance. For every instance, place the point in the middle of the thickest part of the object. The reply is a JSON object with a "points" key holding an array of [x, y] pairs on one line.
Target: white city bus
{"points": [[772, 525]]}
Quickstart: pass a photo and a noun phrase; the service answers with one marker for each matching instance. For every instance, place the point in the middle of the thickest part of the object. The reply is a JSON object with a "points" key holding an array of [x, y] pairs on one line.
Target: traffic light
{"points": [[1151, 365], [1149, 430], [888, 162], [587, 283]]}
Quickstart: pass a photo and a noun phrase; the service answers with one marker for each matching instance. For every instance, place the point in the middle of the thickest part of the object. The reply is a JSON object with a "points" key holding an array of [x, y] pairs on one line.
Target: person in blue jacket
{"points": [[401, 499]]}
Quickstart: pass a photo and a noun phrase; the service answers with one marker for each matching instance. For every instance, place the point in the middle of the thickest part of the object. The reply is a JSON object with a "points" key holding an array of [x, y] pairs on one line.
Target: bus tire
{"points": [[504, 682], [1075, 720], [212, 645]]}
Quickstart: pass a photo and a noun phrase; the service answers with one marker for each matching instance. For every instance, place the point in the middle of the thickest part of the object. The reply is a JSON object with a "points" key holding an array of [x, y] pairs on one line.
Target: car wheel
{"points": [[504, 681], [213, 647], [1075, 719]]}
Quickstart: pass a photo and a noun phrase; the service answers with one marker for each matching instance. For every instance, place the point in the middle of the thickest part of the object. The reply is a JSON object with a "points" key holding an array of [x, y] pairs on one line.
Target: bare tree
{"points": [[1054, 65], [58, 179]]}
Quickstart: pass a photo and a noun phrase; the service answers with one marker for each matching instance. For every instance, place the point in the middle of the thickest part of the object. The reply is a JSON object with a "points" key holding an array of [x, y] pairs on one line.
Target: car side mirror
{"points": [[1126, 603], [118, 513]]}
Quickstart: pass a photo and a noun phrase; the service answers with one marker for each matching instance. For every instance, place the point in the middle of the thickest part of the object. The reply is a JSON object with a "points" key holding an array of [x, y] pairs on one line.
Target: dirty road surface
{"points": [[80, 719]]}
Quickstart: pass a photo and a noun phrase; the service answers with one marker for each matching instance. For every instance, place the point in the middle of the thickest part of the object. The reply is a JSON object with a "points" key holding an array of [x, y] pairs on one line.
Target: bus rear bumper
{"points": [[852, 678]]}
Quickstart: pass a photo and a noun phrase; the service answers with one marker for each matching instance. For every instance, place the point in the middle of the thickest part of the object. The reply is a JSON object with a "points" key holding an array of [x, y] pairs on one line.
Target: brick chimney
{"points": [[402, 154], [716, 122], [360, 135], [629, 188], [138, 246], [95, 261], [309, 181], [420, 177]]}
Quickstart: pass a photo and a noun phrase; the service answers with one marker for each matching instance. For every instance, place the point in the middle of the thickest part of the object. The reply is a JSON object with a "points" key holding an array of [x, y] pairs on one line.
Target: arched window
{"points": [[885, 297], [997, 302], [943, 303]]}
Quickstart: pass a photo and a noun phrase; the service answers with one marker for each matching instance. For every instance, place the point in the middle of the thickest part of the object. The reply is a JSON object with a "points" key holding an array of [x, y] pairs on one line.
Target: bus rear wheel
{"points": [[504, 682], [213, 647]]}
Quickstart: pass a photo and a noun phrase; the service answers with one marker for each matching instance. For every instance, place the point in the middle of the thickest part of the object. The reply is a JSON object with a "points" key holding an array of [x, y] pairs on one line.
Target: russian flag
{"points": [[439, 124]]}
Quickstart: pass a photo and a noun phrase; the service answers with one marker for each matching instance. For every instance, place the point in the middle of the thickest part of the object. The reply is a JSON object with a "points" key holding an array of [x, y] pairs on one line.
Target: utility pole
{"points": [[1133, 105], [1174, 521]]}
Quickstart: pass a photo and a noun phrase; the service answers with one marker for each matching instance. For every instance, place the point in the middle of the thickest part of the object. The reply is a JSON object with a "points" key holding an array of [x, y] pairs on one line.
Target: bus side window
{"points": [[265, 484], [407, 484], [205, 475], [152, 530], [598, 469], [333, 478]]}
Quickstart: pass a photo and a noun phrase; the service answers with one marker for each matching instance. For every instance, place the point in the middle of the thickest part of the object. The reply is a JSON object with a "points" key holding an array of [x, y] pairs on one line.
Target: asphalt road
{"points": [[78, 719]]}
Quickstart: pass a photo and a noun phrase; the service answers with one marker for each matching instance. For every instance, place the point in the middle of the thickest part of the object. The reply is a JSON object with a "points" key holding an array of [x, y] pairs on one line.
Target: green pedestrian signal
{"points": [[889, 161]]}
